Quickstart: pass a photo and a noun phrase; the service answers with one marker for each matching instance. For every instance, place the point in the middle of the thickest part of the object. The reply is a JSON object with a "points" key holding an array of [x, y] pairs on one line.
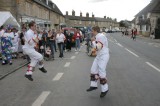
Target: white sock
{"points": [[104, 87], [93, 83], [29, 73]]}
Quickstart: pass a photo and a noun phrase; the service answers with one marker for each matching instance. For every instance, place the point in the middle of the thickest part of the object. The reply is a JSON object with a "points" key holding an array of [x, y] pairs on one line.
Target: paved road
{"points": [[132, 81]]}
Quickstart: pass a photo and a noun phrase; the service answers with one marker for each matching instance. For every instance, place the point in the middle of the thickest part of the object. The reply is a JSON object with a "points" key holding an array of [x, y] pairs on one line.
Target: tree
{"points": [[121, 24]]}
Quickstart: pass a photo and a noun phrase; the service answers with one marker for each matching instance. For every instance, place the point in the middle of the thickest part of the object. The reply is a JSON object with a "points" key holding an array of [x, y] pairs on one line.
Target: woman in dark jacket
{"points": [[68, 41]]}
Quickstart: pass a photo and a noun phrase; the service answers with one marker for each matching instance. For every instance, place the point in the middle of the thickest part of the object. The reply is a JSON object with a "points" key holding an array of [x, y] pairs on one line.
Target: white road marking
{"points": [[115, 40], [40, 100], [150, 43], [119, 44], [57, 77], [67, 64], [73, 57], [156, 46], [110, 40], [76, 52], [61, 58], [153, 66], [132, 52]]}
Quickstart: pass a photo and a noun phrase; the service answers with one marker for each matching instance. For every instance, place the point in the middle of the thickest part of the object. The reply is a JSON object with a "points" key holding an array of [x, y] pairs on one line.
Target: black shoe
{"points": [[103, 94], [10, 63], [43, 70], [91, 89], [3, 63], [29, 77]]}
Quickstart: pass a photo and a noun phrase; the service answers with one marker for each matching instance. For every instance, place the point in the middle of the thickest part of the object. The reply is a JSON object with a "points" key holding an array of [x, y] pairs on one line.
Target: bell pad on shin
{"points": [[94, 77], [103, 81]]}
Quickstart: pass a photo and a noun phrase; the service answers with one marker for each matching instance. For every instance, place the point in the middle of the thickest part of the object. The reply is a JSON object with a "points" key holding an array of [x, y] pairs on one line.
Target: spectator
{"points": [[77, 37], [60, 41], [50, 42], [68, 41], [6, 47]]}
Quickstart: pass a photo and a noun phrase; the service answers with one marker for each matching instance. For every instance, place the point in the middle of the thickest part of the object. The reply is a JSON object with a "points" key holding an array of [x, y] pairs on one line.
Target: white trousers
{"points": [[99, 67], [34, 56]]}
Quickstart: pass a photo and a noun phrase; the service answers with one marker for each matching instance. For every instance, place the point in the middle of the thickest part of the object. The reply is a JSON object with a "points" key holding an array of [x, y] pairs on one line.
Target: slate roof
{"points": [[70, 17], [153, 7], [102, 19], [49, 6]]}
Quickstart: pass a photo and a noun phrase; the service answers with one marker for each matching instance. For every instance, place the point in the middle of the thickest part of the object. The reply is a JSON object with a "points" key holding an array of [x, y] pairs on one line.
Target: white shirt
{"points": [[29, 43], [103, 39], [15, 37], [60, 38]]}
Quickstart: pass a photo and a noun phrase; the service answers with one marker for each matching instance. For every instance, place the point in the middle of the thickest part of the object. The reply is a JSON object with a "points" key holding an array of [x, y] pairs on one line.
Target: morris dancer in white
{"points": [[31, 39], [98, 69]]}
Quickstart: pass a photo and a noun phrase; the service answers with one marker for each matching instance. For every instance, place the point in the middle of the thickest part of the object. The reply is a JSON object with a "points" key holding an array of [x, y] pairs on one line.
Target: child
{"points": [[47, 53]]}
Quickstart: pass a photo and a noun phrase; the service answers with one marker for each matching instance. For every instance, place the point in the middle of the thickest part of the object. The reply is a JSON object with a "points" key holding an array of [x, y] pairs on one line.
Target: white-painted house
{"points": [[146, 20]]}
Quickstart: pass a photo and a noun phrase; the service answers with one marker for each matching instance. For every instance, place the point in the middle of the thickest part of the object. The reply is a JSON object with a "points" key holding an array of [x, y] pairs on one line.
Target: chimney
{"points": [[73, 13], [92, 15], [80, 14], [105, 17], [67, 13], [87, 14]]}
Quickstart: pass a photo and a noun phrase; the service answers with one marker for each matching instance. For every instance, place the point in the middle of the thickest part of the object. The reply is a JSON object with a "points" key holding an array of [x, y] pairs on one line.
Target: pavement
{"points": [[148, 38], [6, 70]]}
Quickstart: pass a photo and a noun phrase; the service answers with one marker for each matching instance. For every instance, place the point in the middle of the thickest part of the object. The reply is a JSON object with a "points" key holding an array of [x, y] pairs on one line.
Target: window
{"points": [[75, 22], [47, 2], [94, 22], [38, 11], [53, 5], [141, 27], [143, 17], [147, 28], [47, 14], [28, 8], [80, 22], [148, 15]]}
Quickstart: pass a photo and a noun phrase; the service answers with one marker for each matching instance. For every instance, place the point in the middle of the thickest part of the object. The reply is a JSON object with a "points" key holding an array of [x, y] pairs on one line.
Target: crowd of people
{"points": [[12, 42]]}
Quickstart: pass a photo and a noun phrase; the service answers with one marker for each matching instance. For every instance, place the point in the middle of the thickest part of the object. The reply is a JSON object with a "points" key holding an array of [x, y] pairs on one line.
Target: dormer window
{"points": [[47, 2], [142, 16], [148, 15], [53, 5]]}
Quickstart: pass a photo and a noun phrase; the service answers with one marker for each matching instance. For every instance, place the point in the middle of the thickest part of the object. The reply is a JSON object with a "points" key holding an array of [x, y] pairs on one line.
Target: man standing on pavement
{"points": [[98, 69], [31, 40]]}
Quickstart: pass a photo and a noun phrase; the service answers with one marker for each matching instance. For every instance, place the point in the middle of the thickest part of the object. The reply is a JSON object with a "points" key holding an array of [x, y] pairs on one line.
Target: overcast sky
{"points": [[120, 9]]}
